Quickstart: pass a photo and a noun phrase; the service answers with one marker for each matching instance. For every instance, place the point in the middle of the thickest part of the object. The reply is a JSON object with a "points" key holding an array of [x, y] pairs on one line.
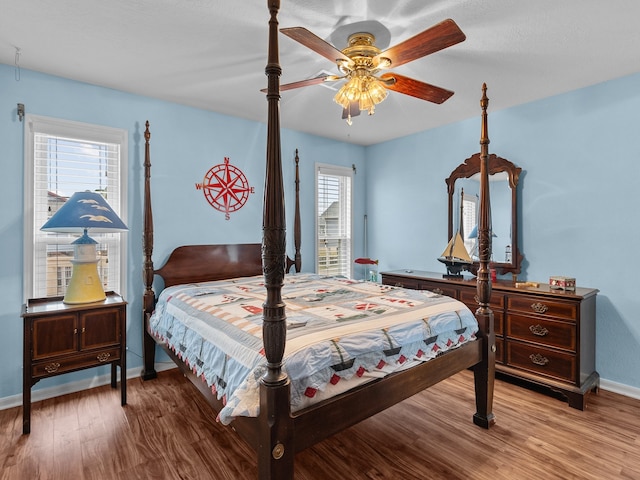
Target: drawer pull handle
{"points": [[103, 357], [538, 330], [52, 367], [539, 307], [438, 291], [539, 359], [475, 297], [398, 284]]}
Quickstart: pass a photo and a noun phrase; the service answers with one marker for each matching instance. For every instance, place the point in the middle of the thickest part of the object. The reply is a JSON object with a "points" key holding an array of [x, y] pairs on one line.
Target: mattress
{"points": [[340, 333]]}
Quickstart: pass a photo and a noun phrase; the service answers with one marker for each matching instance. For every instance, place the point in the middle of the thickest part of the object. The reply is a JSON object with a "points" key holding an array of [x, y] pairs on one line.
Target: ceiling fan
{"points": [[361, 61]]}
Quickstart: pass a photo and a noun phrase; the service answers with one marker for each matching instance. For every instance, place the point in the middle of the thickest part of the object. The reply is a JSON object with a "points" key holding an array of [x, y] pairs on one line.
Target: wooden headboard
{"points": [[193, 263]]}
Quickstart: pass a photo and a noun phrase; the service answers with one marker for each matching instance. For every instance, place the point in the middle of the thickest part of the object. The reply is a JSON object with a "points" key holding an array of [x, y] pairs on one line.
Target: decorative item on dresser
{"points": [[61, 338], [544, 336]]}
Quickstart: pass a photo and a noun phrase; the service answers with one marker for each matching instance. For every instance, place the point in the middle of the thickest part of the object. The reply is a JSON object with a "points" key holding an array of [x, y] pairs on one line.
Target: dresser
{"points": [[61, 338], [544, 337]]}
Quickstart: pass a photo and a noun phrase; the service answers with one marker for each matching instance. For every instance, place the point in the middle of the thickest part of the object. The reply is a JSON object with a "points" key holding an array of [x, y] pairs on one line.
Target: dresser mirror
{"points": [[463, 187]]}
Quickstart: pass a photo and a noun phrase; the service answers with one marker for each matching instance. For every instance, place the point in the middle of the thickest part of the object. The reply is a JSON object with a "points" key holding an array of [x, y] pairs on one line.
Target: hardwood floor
{"points": [[168, 432]]}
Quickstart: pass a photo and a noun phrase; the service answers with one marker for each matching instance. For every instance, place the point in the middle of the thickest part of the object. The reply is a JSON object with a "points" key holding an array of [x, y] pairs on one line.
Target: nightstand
{"points": [[61, 338]]}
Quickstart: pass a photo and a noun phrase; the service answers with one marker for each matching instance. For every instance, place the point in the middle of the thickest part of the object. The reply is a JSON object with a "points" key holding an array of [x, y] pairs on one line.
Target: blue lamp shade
{"points": [[85, 210], [474, 233]]}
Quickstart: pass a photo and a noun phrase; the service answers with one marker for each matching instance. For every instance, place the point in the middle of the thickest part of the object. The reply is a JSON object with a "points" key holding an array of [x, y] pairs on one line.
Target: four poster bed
{"points": [[250, 359]]}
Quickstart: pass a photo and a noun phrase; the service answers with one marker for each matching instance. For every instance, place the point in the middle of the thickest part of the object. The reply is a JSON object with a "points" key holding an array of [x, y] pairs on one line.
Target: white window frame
{"points": [[83, 132], [325, 169]]}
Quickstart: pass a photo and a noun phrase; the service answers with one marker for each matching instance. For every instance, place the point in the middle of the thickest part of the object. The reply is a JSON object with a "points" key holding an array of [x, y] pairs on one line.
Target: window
{"points": [[333, 220], [63, 157], [470, 223]]}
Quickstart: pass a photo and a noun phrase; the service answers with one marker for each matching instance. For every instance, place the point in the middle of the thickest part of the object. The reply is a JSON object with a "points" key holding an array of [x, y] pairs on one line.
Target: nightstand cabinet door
{"points": [[54, 336], [100, 328]]}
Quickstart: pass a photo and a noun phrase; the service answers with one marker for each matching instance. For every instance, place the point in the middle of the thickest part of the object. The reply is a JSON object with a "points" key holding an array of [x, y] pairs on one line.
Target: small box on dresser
{"points": [[61, 338], [544, 336]]}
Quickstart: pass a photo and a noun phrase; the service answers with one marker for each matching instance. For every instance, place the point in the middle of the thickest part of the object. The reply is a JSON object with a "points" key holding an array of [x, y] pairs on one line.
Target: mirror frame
{"points": [[469, 168]]}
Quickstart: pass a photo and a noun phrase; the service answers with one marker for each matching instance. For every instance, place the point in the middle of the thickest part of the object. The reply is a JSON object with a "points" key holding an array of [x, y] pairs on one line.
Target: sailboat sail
{"points": [[456, 250]]}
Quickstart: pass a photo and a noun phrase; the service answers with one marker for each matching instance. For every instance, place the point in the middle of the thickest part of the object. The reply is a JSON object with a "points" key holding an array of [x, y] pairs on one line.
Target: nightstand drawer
{"points": [[55, 366], [543, 306], [545, 332], [542, 361]]}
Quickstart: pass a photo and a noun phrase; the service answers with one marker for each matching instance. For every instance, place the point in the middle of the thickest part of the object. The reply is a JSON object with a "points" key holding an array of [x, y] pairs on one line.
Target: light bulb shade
{"points": [[367, 90], [348, 93], [85, 210]]}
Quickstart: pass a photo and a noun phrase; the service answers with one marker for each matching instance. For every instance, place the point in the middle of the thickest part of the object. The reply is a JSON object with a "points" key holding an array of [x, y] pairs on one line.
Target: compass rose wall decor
{"points": [[226, 188]]}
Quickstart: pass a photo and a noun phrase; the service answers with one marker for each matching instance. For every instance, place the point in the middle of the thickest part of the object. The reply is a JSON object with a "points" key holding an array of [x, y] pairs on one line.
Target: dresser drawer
{"points": [[439, 289], [543, 361], [470, 297], [543, 306], [542, 331], [68, 363], [403, 282]]}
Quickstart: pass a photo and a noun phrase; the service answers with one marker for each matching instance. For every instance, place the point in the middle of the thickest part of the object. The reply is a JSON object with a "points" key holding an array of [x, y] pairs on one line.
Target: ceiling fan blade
{"points": [[438, 37], [415, 88], [315, 43], [306, 83]]}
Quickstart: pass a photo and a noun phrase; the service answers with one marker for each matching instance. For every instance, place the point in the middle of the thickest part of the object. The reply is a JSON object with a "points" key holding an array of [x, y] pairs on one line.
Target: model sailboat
{"points": [[455, 255]]}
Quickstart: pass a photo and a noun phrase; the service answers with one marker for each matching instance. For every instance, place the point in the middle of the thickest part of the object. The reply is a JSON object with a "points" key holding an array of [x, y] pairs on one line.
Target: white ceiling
{"points": [[212, 54]]}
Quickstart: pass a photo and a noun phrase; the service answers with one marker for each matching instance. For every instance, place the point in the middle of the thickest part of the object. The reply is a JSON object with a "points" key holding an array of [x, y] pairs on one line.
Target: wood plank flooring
{"points": [[168, 432]]}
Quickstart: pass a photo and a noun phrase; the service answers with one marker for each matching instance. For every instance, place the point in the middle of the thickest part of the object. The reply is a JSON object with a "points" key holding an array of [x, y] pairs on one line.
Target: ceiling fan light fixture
{"points": [[366, 90]]}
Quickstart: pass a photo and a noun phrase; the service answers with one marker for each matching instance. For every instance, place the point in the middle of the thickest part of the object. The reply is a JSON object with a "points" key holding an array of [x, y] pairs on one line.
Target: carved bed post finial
{"points": [[484, 372], [297, 258], [276, 452], [148, 299], [273, 226]]}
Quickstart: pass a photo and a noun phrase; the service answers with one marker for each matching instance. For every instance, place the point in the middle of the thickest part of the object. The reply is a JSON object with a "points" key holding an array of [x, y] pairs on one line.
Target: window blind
{"points": [[333, 221]]}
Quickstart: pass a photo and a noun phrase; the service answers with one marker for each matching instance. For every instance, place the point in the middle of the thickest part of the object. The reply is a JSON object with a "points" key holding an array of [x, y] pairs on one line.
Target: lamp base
{"points": [[85, 285]]}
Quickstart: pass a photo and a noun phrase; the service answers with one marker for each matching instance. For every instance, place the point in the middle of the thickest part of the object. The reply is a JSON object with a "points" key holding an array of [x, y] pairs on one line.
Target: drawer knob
{"points": [[539, 307], [52, 367], [538, 330], [103, 357], [438, 291], [539, 359]]}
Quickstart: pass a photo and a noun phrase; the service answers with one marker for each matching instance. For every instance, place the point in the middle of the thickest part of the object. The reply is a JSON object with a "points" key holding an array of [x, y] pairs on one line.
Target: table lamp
{"points": [[84, 211]]}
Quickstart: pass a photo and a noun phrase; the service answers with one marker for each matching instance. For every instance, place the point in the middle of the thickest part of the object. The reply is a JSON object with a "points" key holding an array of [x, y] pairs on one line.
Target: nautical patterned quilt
{"points": [[338, 330]]}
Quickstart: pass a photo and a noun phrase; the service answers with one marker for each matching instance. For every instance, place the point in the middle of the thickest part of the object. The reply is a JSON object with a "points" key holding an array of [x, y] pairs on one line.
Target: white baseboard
{"points": [[72, 387], [45, 393], [620, 388]]}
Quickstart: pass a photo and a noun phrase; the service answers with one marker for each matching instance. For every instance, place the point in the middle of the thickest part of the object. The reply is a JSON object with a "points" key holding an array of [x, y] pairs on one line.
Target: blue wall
{"points": [[580, 155], [185, 143]]}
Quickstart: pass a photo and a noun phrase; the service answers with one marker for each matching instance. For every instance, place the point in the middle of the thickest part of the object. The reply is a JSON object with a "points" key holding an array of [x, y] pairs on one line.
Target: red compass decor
{"points": [[226, 188]]}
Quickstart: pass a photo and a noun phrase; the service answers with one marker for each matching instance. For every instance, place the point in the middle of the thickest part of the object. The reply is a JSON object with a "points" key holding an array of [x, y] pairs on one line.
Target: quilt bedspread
{"points": [[337, 330]]}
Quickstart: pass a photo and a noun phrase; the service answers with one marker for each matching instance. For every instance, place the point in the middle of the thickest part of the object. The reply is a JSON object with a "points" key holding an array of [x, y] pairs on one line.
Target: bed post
{"points": [[148, 300], [297, 259], [275, 450], [484, 372]]}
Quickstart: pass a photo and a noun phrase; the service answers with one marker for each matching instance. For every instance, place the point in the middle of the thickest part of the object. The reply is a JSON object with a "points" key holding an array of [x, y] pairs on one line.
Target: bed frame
{"points": [[277, 434]]}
